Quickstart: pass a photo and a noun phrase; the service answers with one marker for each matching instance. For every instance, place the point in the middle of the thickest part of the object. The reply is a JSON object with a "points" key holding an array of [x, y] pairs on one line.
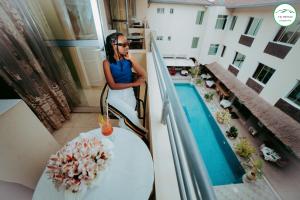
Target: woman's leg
{"points": [[122, 103]]}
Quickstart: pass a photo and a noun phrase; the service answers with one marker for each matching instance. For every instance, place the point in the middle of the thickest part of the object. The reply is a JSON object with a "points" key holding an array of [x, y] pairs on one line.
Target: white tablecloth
{"points": [[129, 176]]}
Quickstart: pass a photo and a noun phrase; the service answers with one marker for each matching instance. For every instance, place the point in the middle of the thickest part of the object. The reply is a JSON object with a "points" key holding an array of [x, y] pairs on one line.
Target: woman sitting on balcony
{"points": [[118, 73]]}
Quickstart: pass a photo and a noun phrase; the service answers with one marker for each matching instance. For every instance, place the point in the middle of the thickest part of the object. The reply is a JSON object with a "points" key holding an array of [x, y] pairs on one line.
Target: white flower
{"points": [[79, 162]]}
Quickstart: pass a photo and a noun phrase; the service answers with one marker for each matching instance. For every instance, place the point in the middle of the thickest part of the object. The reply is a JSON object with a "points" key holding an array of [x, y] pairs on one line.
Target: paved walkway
{"points": [[254, 191]]}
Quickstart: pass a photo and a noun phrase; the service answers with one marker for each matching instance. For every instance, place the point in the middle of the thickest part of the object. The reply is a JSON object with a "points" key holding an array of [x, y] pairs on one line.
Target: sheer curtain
{"points": [[37, 73], [81, 17]]}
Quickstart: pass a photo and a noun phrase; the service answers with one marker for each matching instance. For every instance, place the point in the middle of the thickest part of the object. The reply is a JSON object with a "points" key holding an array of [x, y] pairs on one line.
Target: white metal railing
{"points": [[192, 176]]}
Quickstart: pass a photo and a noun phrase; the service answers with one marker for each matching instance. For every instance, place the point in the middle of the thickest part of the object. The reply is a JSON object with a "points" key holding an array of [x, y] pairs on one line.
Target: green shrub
{"points": [[244, 148], [258, 167], [200, 82], [232, 132], [195, 71], [209, 96]]}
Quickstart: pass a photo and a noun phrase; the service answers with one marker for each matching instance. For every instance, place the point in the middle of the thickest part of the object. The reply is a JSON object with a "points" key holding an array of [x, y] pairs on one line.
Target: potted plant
{"points": [[244, 148], [195, 71], [200, 82], [255, 170], [209, 96], [223, 116], [232, 133]]}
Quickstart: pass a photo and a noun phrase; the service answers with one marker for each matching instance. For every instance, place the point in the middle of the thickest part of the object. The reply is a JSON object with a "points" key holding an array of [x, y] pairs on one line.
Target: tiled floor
{"points": [[250, 191]]}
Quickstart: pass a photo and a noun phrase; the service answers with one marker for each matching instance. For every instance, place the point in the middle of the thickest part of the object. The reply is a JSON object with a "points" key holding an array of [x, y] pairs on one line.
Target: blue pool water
{"points": [[222, 165]]}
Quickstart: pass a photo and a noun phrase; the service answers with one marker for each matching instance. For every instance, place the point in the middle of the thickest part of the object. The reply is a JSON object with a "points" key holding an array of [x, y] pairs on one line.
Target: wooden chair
{"points": [[140, 108], [141, 103]]}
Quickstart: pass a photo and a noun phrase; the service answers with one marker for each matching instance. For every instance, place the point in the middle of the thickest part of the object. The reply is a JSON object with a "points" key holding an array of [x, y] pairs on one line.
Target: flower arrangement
{"points": [[78, 163], [223, 117]]}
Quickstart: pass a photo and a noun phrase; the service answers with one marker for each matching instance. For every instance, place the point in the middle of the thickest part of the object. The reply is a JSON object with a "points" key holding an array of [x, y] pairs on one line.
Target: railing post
{"points": [[165, 110]]}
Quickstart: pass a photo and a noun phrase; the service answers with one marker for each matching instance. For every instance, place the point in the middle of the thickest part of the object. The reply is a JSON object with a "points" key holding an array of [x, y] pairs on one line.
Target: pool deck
{"points": [[276, 183]]}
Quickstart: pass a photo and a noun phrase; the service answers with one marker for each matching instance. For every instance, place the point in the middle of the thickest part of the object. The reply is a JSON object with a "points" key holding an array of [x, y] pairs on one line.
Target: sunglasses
{"points": [[125, 44]]}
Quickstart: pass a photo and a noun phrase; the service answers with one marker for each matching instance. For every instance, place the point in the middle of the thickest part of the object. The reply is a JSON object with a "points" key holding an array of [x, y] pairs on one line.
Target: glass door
{"points": [[74, 28], [121, 14]]}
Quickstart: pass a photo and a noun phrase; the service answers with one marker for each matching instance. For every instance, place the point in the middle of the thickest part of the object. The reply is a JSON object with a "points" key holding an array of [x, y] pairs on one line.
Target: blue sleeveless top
{"points": [[121, 71]]}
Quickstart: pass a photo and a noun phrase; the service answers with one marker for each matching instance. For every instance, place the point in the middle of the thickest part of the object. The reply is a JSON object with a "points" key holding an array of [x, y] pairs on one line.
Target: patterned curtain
{"points": [[37, 73]]}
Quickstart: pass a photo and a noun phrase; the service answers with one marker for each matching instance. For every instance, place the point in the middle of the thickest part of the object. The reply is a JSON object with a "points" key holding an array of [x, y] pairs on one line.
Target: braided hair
{"points": [[111, 39]]}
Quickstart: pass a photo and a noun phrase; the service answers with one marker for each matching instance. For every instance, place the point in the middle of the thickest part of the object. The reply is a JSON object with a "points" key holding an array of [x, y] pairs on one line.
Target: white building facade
{"points": [[269, 67]]}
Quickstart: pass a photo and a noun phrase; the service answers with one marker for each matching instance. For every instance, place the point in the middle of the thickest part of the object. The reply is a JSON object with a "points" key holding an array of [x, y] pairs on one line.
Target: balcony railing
{"points": [[192, 176]]}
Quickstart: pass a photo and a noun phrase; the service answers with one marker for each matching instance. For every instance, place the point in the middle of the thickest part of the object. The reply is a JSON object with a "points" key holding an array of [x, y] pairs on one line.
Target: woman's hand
{"points": [[138, 82], [128, 56]]}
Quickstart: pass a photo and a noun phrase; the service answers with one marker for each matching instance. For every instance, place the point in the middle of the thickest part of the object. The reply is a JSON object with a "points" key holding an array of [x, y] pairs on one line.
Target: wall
{"points": [[141, 6], [140, 56], [25, 146], [166, 185], [181, 26], [13, 191], [210, 35], [287, 72]]}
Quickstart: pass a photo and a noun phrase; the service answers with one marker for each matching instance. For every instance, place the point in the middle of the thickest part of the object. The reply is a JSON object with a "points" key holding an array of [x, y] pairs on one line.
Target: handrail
{"points": [[192, 176]]}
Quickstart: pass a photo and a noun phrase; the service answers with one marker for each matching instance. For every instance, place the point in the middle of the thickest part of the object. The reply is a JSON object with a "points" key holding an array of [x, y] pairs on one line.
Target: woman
{"points": [[118, 73]]}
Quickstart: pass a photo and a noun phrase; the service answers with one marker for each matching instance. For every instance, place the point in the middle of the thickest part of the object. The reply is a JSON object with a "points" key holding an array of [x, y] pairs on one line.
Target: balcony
{"points": [[254, 85], [246, 40], [233, 70], [277, 50], [288, 108]]}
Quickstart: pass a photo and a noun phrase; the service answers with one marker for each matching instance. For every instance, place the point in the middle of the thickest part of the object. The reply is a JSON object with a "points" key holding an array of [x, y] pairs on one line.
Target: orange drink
{"points": [[107, 128]]}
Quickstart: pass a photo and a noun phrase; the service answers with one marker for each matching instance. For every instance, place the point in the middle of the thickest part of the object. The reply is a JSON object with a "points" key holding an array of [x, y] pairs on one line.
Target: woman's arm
{"points": [[137, 68], [111, 82]]}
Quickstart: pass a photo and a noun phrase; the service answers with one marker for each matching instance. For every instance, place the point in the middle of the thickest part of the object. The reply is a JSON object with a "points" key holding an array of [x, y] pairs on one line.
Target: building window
{"points": [[253, 26], [159, 37], [221, 22], [160, 10], [295, 94], [238, 59], [169, 38], [213, 49], [223, 51], [195, 42], [233, 21], [200, 16], [288, 34], [171, 10], [263, 73]]}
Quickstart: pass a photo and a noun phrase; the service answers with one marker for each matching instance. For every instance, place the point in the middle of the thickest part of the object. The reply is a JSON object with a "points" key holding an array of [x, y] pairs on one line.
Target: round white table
{"points": [[129, 175]]}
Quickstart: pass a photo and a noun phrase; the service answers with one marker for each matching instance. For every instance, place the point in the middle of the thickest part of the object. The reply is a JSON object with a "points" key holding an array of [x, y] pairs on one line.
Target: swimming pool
{"points": [[222, 164]]}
